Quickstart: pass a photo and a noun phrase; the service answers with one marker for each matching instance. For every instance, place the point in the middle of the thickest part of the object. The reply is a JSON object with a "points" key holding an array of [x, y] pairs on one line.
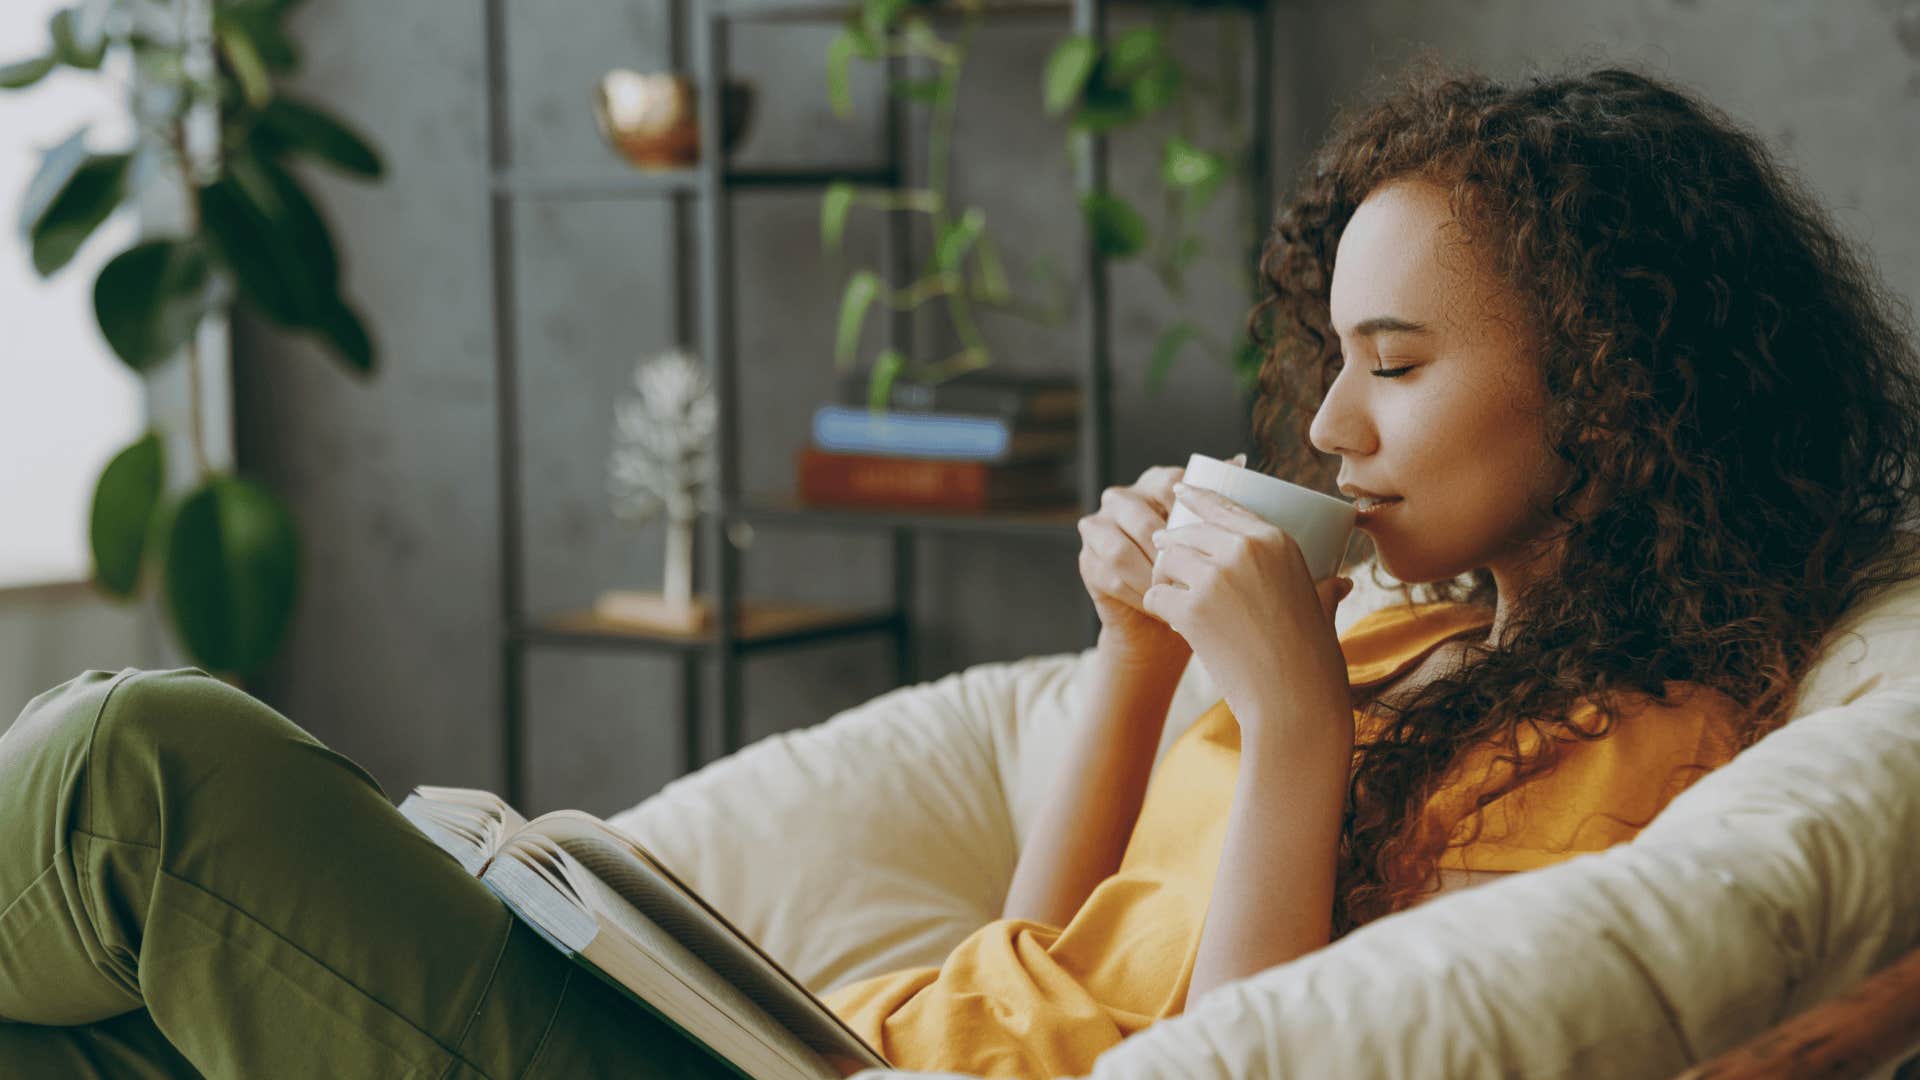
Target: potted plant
{"points": [[1125, 83], [964, 268], [212, 129]]}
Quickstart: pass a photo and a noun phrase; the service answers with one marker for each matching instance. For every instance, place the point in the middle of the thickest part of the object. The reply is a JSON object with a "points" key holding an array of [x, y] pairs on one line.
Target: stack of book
{"points": [[985, 440]]}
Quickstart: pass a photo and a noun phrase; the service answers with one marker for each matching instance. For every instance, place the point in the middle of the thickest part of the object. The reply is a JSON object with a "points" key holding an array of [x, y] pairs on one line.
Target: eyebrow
{"points": [[1389, 324]]}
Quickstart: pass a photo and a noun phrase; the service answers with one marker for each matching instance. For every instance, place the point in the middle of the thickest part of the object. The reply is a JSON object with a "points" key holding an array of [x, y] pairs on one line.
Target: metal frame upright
{"points": [[702, 42]]}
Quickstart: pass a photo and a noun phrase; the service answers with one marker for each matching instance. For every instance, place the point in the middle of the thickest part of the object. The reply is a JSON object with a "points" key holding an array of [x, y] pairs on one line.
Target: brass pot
{"points": [[653, 119]]}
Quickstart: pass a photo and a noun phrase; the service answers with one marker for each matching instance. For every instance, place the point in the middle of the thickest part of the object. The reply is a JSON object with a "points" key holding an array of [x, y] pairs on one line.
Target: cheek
{"points": [[1476, 473]]}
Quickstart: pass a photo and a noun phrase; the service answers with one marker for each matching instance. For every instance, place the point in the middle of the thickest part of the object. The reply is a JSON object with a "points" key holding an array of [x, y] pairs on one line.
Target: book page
{"points": [[641, 880], [467, 823]]}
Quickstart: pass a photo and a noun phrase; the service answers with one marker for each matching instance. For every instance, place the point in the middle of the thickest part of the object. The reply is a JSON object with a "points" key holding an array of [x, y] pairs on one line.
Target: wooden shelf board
{"points": [[766, 506], [830, 10], [760, 620], [619, 183], [778, 11]]}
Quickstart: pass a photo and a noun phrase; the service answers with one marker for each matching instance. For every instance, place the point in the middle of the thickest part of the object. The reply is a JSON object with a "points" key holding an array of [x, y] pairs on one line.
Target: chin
{"points": [[1409, 568]]}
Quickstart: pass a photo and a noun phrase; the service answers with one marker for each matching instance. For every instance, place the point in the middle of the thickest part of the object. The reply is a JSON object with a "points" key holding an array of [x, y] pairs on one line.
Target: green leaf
{"points": [[1156, 89], [89, 197], [886, 368], [76, 45], [232, 573], [282, 198], [1118, 229], [864, 45], [957, 238], [862, 288], [249, 70], [1172, 340], [1186, 251], [1134, 53], [839, 85], [24, 73], [1067, 71], [877, 16], [124, 502], [931, 91], [272, 272], [991, 278], [150, 298], [1184, 165], [341, 328], [1104, 106], [833, 214], [308, 130], [57, 167], [918, 32], [260, 22]]}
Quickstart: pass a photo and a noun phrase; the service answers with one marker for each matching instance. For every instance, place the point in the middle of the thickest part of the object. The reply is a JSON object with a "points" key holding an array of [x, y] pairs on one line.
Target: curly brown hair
{"points": [[1721, 364]]}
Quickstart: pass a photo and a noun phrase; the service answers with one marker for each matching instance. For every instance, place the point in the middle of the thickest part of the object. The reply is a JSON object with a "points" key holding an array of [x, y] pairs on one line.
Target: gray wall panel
{"points": [[394, 656]]}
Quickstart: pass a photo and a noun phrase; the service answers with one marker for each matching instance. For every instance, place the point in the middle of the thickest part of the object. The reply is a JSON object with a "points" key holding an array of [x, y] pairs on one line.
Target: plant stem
{"points": [[925, 201], [939, 153], [196, 21]]}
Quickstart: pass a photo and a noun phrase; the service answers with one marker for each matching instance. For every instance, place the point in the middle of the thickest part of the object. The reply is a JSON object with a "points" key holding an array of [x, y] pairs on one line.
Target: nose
{"points": [[1341, 426]]}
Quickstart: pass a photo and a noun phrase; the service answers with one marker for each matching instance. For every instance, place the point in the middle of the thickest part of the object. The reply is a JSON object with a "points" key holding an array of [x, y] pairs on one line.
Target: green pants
{"points": [[191, 885]]}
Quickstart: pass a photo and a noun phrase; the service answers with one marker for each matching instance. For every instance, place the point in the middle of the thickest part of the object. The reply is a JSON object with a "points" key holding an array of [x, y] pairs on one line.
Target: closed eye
{"points": [[1340, 362]]}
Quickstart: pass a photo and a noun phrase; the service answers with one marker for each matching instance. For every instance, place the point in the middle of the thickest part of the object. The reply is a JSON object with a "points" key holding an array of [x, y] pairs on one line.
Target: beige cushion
{"points": [[880, 837]]}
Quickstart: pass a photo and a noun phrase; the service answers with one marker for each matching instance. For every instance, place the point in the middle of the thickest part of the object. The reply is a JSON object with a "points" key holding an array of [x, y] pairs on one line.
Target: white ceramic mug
{"points": [[1320, 524]]}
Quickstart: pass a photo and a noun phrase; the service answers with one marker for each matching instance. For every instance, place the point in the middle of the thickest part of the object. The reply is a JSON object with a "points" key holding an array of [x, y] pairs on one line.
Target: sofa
{"points": [[880, 837]]}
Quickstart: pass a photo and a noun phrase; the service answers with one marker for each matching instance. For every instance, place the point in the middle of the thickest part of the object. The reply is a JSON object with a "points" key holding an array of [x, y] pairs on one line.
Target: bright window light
{"points": [[67, 405]]}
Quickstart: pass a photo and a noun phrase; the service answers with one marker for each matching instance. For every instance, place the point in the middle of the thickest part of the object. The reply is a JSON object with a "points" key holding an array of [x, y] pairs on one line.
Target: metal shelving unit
{"points": [[744, 627]]}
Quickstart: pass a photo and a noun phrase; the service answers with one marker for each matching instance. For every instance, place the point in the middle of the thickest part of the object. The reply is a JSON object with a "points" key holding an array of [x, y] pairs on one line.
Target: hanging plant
{"points": [[1133, 78], [964, 269], [209, 118]]}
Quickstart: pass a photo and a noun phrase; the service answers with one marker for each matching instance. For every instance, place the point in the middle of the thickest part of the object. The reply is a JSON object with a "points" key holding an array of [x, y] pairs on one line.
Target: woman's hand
{"points": [[1236, 588], [1116, 564]]}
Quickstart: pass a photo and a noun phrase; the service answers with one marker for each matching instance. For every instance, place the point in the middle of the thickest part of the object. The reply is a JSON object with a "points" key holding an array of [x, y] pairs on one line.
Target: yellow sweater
{"points": [[1019, 998]]}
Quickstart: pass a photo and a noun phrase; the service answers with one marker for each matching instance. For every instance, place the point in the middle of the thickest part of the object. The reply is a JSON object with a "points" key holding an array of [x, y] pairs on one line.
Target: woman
{"points": [[1643, 426], [1611, 363]]}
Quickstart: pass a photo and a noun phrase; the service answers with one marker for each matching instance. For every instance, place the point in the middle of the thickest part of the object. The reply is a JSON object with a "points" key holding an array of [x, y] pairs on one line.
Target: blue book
{"points": [[843, 429]]}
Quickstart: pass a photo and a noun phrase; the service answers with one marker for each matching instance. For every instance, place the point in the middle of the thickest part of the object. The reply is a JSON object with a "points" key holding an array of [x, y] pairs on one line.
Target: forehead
{"points": [[1401, 255]]}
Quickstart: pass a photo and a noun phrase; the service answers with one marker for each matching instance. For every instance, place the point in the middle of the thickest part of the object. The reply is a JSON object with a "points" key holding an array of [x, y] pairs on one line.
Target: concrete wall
{"points": [[395, 656]]}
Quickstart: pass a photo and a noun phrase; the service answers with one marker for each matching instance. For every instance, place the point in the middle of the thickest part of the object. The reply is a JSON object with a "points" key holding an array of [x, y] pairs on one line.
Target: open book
{"points": [[604, 901]]}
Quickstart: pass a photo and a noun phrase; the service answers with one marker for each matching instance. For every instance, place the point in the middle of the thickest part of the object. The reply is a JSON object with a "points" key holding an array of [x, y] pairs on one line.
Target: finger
{"points": [[1157, 484], [1118, 544], [1119, 564], [1137, 513], [1239, 459], [1166, 601], [1214, 507], [1160, 478]]}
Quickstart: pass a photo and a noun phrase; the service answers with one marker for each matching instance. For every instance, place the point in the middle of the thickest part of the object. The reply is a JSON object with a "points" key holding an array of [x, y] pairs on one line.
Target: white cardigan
{"points": [[882, 836]]}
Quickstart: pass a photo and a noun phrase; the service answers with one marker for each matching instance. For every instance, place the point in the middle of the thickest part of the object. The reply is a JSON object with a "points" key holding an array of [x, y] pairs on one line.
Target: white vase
{"points": [[679, 583]]}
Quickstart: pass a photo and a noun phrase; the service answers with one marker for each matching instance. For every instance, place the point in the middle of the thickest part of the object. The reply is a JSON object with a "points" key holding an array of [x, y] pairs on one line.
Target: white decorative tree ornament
{"points": [[662, 462]]}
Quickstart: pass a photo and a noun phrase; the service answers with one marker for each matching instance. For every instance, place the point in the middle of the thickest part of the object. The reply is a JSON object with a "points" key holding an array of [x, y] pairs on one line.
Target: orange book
{"points": [[924, 483]]}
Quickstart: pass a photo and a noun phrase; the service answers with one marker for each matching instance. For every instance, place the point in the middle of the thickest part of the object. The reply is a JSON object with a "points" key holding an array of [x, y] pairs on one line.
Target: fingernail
{"points": [[1181, 487], [1157, 534]]}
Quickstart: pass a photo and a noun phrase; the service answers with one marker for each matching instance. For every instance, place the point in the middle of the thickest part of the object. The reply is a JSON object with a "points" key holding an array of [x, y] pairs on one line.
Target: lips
{"points": [[1365, 509]]}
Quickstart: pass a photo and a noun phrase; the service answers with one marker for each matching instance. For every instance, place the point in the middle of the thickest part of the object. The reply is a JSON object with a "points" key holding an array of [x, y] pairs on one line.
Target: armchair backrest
{"points": [[1877, 641]]}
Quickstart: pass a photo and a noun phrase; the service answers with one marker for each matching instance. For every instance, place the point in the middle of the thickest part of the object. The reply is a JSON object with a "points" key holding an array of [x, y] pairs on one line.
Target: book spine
{"points": [[868, 480], [947, 436]]}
